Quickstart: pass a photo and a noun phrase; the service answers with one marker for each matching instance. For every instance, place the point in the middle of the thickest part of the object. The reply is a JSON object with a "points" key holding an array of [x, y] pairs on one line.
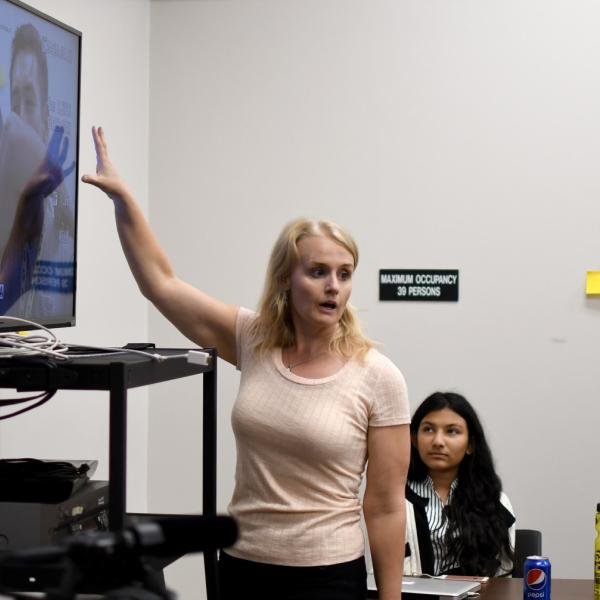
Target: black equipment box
{"points": [[28, 524], [25, 525]]}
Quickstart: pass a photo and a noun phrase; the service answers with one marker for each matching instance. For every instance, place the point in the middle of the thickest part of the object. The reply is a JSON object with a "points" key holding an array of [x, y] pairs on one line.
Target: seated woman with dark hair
{"points": [[458, 519]]}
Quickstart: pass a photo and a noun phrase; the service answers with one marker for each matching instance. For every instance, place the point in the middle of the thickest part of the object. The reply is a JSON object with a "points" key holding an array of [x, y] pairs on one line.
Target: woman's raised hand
{"points": [[107, 177]]}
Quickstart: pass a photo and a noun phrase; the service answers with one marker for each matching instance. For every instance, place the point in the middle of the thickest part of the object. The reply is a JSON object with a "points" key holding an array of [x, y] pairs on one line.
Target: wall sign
{"points": [[431, 285]]}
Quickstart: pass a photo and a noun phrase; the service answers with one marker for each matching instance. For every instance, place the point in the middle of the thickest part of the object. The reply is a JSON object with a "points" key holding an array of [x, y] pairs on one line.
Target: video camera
{"points": [[118, 564]]}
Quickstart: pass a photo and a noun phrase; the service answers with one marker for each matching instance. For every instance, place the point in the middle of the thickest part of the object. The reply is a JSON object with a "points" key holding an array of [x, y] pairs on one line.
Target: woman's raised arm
{"points": [[203, 319]]}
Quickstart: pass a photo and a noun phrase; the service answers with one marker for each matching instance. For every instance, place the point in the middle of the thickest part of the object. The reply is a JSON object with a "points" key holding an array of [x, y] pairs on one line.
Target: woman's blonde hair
{"points": [[274, 327]]}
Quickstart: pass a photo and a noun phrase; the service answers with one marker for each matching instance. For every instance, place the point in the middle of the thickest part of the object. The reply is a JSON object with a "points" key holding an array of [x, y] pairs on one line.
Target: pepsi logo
{"points": [[536, 578]]}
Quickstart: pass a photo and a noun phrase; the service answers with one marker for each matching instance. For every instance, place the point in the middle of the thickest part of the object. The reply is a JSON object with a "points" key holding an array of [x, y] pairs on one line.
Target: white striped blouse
{"points": [[437, 522]]}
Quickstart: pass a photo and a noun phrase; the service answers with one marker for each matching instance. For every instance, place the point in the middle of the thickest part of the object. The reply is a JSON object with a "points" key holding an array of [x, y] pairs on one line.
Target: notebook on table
{"points": [[427, 587]]}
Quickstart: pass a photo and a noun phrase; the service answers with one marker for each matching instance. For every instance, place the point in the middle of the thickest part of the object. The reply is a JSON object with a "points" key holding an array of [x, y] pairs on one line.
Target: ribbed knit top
{"points": [[301, 453]]}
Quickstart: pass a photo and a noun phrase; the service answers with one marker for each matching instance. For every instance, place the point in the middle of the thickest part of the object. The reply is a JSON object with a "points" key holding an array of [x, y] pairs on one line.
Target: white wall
{"points": [[457, 134], [110, 311], [443, 134]]}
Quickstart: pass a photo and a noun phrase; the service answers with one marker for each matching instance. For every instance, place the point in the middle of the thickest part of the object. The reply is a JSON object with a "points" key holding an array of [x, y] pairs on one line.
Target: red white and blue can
{"points": [[536, 578]]}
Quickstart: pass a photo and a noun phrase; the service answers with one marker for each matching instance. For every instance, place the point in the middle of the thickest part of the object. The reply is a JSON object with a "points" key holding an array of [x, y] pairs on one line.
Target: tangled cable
{"points": [[35, 343]]}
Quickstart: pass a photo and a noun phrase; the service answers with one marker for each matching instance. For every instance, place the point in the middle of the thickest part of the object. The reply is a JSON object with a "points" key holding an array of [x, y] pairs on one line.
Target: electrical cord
{"points": [[109, 351], [36, 343], [45, 343], [44, 398], [13, 401], [36, 399], [193, 356]]}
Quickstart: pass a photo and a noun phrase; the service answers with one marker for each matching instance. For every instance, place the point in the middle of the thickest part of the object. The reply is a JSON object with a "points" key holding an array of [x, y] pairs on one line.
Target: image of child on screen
{"points": [[37, 225]]}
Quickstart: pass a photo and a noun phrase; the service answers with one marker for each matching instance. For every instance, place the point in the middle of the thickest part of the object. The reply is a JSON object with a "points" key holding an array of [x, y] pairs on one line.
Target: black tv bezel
{"points": [[49, 323]]}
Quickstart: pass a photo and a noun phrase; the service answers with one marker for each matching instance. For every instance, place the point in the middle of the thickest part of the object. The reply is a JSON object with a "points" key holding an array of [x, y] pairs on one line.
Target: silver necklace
{"points": [[291, 366]]}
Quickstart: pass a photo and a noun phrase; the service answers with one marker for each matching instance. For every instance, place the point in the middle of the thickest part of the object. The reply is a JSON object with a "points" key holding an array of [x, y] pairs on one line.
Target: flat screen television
{"points": [[39, 146]]}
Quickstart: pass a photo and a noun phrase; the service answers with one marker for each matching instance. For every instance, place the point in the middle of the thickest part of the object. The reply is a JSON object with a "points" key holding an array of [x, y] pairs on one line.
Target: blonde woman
{"points": [[315, 400]]}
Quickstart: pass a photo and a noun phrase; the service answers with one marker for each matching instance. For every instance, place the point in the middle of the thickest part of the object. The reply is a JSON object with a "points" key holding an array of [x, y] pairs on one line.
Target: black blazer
{"points": [[423, 534]]}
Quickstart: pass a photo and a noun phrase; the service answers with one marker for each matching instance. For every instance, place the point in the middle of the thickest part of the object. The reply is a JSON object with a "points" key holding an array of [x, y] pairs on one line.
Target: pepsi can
{"points": [[536, 578]]}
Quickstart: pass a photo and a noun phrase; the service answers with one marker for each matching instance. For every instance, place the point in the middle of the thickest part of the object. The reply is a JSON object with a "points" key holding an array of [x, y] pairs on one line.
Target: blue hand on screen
{"points": [[52, 173]]}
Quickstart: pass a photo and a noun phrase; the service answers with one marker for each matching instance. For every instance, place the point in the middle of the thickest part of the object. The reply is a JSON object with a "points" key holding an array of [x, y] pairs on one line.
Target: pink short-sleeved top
{"points": [[301, 453]]}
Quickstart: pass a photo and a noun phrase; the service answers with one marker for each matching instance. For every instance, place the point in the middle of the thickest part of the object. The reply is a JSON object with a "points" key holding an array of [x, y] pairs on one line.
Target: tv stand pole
{"points": [[209, 471], [117, 451]]}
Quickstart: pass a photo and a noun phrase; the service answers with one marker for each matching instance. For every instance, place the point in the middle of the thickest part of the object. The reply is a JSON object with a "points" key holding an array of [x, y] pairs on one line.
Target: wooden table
{"points": [[506, 588]]}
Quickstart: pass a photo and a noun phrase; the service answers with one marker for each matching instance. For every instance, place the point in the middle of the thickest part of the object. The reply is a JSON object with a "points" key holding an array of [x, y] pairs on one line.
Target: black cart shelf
{"points": [[117, 374]]}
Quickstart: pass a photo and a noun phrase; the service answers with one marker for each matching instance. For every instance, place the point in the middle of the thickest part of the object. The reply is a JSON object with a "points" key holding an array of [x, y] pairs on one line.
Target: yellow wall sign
{"points": [[592, 283]]}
